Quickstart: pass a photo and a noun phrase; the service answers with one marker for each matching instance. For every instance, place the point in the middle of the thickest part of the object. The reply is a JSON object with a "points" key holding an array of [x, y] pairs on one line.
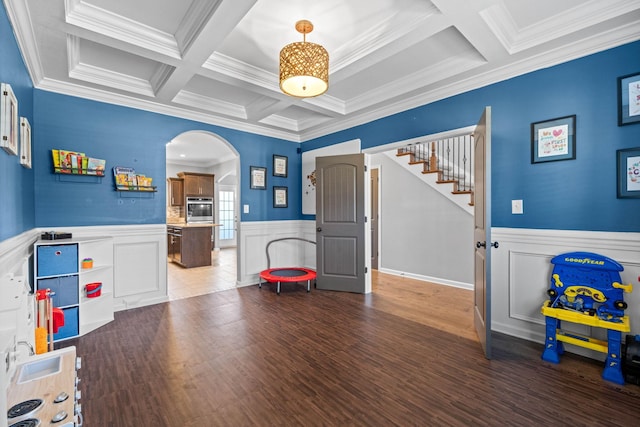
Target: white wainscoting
{"points": [[254, 237], [140, 259], [140, 262], [521, 274]]}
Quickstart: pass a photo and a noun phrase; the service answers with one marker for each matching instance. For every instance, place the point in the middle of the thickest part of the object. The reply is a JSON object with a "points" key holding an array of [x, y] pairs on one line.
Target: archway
{"points": [[207, 153]]}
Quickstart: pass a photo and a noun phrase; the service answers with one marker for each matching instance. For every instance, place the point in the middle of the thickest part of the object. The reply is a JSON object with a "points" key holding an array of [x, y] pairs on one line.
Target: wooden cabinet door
{"points": [[191, 185], [197, 184], [206, 185], [176, 192]]}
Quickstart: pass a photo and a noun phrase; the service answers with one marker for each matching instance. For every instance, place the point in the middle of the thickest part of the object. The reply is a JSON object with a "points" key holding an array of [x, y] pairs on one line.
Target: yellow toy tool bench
{"points": [[586, 288]]}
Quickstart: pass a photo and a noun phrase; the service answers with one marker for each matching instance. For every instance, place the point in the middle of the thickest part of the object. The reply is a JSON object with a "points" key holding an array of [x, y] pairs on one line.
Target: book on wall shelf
{"points": [[76, 163], [126, 179]]}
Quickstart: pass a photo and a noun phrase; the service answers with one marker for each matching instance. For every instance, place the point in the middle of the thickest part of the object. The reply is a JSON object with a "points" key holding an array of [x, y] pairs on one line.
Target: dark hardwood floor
{"points": [[405, 355]]}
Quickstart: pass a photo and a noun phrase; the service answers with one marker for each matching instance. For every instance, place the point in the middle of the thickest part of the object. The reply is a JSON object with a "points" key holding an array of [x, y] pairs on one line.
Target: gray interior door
{"points": [[482, 231], [340, 223]]}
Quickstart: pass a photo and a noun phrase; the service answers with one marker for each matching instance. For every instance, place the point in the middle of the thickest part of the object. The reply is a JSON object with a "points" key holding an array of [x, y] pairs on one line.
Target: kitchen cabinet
{"points": [[58, 266], [176, 192], [198, 184], [189, 246]]}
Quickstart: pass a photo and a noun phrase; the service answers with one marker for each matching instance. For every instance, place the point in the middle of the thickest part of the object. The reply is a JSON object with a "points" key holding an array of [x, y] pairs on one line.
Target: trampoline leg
{"points": [[260, 283], [278, 289], [309, 285]]}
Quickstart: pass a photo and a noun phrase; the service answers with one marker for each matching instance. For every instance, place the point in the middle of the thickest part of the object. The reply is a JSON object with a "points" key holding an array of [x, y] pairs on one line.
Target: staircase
{"points": [[445, 164]]}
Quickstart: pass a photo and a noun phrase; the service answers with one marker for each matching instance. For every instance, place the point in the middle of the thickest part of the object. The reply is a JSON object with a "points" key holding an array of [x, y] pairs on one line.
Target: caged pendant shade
{"points": [[304, 66]]}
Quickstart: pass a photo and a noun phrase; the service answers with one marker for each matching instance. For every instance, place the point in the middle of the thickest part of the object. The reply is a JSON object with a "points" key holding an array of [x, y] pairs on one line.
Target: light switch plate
{"points": [[516, 207], [245, 208]]}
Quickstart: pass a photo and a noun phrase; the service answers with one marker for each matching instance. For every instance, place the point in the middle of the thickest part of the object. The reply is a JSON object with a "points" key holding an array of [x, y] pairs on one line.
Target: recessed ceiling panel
{"points": [[163, 15], [222, 91], [342, 27], [525, 13], [448, 46], [114, 60]]}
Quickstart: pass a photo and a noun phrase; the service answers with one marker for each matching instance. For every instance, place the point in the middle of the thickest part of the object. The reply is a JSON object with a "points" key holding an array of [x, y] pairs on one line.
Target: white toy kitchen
{"points": [[40, 390]]}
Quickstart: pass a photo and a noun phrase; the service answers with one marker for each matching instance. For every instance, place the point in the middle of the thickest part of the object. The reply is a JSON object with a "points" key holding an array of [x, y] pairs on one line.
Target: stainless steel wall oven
{"points": [[199, 209]]}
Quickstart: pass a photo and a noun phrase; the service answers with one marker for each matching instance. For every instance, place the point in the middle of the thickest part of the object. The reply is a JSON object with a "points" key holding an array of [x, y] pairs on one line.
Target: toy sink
{"points": [[39, 369]]}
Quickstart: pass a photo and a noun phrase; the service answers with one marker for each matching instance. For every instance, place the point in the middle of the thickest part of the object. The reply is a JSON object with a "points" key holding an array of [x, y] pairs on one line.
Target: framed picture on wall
{"points": [[629, 99], [25, 142], [280, 165], [553, 140], [258, 178], [628, 173], [8, 120], [280, 197]]}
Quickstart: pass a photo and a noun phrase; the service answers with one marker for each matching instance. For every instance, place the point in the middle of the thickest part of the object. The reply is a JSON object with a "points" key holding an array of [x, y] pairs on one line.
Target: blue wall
{"points": [[135, 138], [16, 182], [575, 194]]}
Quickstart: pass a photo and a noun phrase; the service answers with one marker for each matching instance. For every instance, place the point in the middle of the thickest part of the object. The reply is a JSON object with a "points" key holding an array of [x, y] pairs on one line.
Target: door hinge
{"points": [[365, 168], [365, 219], [366, 270]]}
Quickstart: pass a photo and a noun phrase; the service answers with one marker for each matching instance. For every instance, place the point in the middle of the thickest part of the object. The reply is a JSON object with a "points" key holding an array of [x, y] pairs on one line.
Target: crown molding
{"points": [[18, 14], [70, 89]]}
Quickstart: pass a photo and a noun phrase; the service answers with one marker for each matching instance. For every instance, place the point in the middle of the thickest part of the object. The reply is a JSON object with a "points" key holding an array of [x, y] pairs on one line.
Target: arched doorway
{"points": [[203, 152]]}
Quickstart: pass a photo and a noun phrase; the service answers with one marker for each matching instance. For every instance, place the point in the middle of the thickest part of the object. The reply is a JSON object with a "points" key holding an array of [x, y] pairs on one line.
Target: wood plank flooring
{"points": [[406, 355]]}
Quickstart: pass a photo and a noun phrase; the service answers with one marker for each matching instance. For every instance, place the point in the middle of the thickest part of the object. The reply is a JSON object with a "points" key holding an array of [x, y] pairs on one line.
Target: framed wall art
{"points": [[258, 178], [629, 99], [25, 142], [553, 139], [8, 120], [280, 165], [628, 173], [280, 197]]}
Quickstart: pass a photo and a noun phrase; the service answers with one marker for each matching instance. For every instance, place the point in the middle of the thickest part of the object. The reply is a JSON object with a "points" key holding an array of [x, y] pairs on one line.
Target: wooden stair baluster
{"points": [[433, 160]]}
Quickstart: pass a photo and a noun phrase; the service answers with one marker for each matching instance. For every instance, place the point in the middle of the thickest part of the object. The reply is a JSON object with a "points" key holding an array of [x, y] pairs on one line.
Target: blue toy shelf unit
{"points": [[586, 288]]}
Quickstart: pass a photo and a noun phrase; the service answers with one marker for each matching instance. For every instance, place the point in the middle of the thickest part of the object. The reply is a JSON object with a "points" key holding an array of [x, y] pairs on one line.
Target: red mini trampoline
{"points": [[286, 274]]}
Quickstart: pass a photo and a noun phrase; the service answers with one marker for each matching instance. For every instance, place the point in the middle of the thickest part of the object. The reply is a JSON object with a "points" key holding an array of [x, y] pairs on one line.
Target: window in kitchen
{"points": [[226, 215]]}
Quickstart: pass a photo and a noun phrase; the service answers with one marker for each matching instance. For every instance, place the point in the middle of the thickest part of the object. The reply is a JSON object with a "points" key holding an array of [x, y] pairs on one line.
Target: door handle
{"points": [[319, 229], [484, 245]]}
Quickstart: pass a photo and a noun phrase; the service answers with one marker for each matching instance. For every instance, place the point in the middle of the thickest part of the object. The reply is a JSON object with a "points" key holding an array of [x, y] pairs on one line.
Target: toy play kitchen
{"points": [[43, 391], [586, 288]]}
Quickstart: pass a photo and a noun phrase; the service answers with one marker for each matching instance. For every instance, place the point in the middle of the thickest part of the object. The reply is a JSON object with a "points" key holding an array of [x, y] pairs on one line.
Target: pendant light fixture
{"points": [[304, 66]]}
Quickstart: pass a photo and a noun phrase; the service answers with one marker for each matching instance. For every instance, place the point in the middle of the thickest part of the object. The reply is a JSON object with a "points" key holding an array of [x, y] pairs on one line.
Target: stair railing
{"points": [[451, 158]]}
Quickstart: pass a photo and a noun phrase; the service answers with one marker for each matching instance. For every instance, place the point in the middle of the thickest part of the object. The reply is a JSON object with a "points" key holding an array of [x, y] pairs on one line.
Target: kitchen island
{"points": [[190, 244]]}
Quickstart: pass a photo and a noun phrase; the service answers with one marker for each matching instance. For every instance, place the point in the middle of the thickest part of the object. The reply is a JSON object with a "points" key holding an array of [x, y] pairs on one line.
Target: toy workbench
{"points": [[586, 288]]}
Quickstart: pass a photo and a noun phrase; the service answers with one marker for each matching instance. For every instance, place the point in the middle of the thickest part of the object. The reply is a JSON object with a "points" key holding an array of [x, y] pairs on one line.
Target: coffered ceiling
{"points": [[216, 61]]}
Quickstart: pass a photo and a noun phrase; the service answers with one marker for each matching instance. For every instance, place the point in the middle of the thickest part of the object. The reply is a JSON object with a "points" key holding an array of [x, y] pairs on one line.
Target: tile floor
{"points": [[191, 282]]}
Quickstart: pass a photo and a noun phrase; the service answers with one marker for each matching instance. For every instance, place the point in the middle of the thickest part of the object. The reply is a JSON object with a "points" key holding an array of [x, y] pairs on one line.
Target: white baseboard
{"points": [[437, 280]]}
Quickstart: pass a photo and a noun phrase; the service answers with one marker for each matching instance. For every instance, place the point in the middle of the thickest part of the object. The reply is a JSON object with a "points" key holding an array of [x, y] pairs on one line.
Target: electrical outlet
{"points": [[516, 207]]}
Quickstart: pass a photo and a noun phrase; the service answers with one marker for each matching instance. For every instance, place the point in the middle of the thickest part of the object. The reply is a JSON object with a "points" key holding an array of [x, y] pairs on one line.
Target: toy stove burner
{"points": [[30, 422], [24, 408]]}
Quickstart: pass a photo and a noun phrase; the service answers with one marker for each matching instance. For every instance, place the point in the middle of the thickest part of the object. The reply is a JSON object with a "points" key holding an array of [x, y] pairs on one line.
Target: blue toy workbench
{"points": [[586, 288]]}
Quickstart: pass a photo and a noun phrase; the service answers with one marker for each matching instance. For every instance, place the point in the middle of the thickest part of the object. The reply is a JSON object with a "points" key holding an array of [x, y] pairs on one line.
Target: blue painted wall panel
{"points": [[134, 138], [16, 182], [575, 194]]}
